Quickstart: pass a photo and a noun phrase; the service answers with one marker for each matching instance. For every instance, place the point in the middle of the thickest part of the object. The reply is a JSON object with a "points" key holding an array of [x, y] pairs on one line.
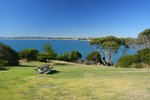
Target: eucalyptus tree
{"points": [[144, 38], [130, 43], [108, 45]]}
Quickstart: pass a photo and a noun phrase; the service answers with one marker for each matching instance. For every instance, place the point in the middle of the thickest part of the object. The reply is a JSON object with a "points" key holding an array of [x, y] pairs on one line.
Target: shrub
{"points": [[144, 55], [73, 56], [60, 57], [94, 57], [28, 54], [127, 60], [8, 56]]}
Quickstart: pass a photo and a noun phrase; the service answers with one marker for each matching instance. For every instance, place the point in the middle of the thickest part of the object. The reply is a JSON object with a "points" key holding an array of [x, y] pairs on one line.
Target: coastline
{"points": [[48, 39]]}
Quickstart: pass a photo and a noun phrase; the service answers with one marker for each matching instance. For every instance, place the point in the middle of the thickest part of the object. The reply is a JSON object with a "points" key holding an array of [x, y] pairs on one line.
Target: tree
{"points": [[130, 43], [108, 45], [73, 56], [48, 53], [8, 56], [94, 57], [144, 38], [29, 54]]}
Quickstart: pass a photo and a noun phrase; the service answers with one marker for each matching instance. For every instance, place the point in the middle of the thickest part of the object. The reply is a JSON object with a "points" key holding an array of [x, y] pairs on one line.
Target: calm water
{"points": [[60, 46]]}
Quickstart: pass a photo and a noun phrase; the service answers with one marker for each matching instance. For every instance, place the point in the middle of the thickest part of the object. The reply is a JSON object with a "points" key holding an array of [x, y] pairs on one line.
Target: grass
{"points": [[74, 81]]}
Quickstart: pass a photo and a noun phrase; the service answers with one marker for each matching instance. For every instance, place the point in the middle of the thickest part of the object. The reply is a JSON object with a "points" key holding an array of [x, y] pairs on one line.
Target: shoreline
{"points": [[47, 39]]}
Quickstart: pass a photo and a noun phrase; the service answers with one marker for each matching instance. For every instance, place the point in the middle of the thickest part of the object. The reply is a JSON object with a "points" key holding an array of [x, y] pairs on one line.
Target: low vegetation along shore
{"points": [[74, 81]]}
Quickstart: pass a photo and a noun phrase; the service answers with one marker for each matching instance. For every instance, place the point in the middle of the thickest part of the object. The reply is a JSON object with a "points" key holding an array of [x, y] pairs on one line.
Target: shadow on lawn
{"points": [[61, 64], [25, 66], [54, 72], [3, 69]]}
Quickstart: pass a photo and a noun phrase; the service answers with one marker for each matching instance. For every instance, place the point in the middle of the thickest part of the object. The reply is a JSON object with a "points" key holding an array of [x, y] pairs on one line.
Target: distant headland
{"points": [[46, 38]]}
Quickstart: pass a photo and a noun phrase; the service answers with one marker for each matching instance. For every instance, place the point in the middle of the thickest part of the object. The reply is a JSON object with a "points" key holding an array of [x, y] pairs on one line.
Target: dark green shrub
{"points": [[127, 60], [144, 56], [60, 57], [73, 56], [28, 54], [8, 56], [94, 57]]}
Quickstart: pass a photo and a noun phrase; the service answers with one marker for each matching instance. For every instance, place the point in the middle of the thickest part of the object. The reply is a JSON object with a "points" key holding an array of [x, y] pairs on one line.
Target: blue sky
{"points": [[74, 18]]}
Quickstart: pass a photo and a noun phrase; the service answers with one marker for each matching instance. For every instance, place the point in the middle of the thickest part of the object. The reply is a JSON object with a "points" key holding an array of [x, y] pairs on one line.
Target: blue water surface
{"points": [[59, 46]]}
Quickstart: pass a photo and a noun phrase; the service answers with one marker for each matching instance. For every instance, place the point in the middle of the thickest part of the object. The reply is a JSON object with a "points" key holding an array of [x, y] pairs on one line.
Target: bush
{"points": [[8, 56], [74, 56], [71, 56], [127, 60], [28, 54], [94, 57], [144, 56], [60, 57]]}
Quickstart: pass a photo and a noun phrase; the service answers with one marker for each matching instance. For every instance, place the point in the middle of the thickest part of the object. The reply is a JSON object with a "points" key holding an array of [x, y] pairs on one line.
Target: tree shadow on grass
{"points": [[61, 64], [25, 66], [3, 69], [54, 72]]}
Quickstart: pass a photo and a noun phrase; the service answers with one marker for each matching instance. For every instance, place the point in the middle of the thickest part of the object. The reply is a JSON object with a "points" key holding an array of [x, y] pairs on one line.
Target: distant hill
{"points": [[44, 38]]}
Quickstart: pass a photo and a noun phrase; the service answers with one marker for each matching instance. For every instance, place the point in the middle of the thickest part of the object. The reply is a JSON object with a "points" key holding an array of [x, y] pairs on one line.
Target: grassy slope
{"points": [[76, 82]]}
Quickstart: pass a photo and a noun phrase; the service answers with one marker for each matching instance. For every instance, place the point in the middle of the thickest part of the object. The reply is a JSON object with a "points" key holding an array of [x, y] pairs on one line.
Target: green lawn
{"points": [[74, 82]]}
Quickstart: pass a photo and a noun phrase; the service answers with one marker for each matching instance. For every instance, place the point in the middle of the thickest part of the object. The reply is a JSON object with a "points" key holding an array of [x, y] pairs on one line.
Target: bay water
{"points": [[59, 46]]}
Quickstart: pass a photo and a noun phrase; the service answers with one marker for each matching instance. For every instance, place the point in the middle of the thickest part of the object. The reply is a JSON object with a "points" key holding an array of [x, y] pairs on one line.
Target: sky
{"points": [[73, 18]]}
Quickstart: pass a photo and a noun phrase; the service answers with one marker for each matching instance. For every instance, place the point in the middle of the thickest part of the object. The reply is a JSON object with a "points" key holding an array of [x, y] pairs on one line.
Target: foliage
{"points": [[48, 53], [127, 60], [73, 56], [94, 57], [8, 56], [139, 60], [144, 38], [108, 45], [29, 54], [60, 57], [144, 56], [65, 55]]}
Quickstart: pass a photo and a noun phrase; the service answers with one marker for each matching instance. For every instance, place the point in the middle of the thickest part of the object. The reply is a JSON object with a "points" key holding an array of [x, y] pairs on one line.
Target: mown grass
{"points": [[74, 82]]}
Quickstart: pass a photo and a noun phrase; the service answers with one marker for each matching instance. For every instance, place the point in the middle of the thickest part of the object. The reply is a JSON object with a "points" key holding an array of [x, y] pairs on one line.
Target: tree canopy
{"points": [[108, 45], [144, 38], [8, 56]]}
